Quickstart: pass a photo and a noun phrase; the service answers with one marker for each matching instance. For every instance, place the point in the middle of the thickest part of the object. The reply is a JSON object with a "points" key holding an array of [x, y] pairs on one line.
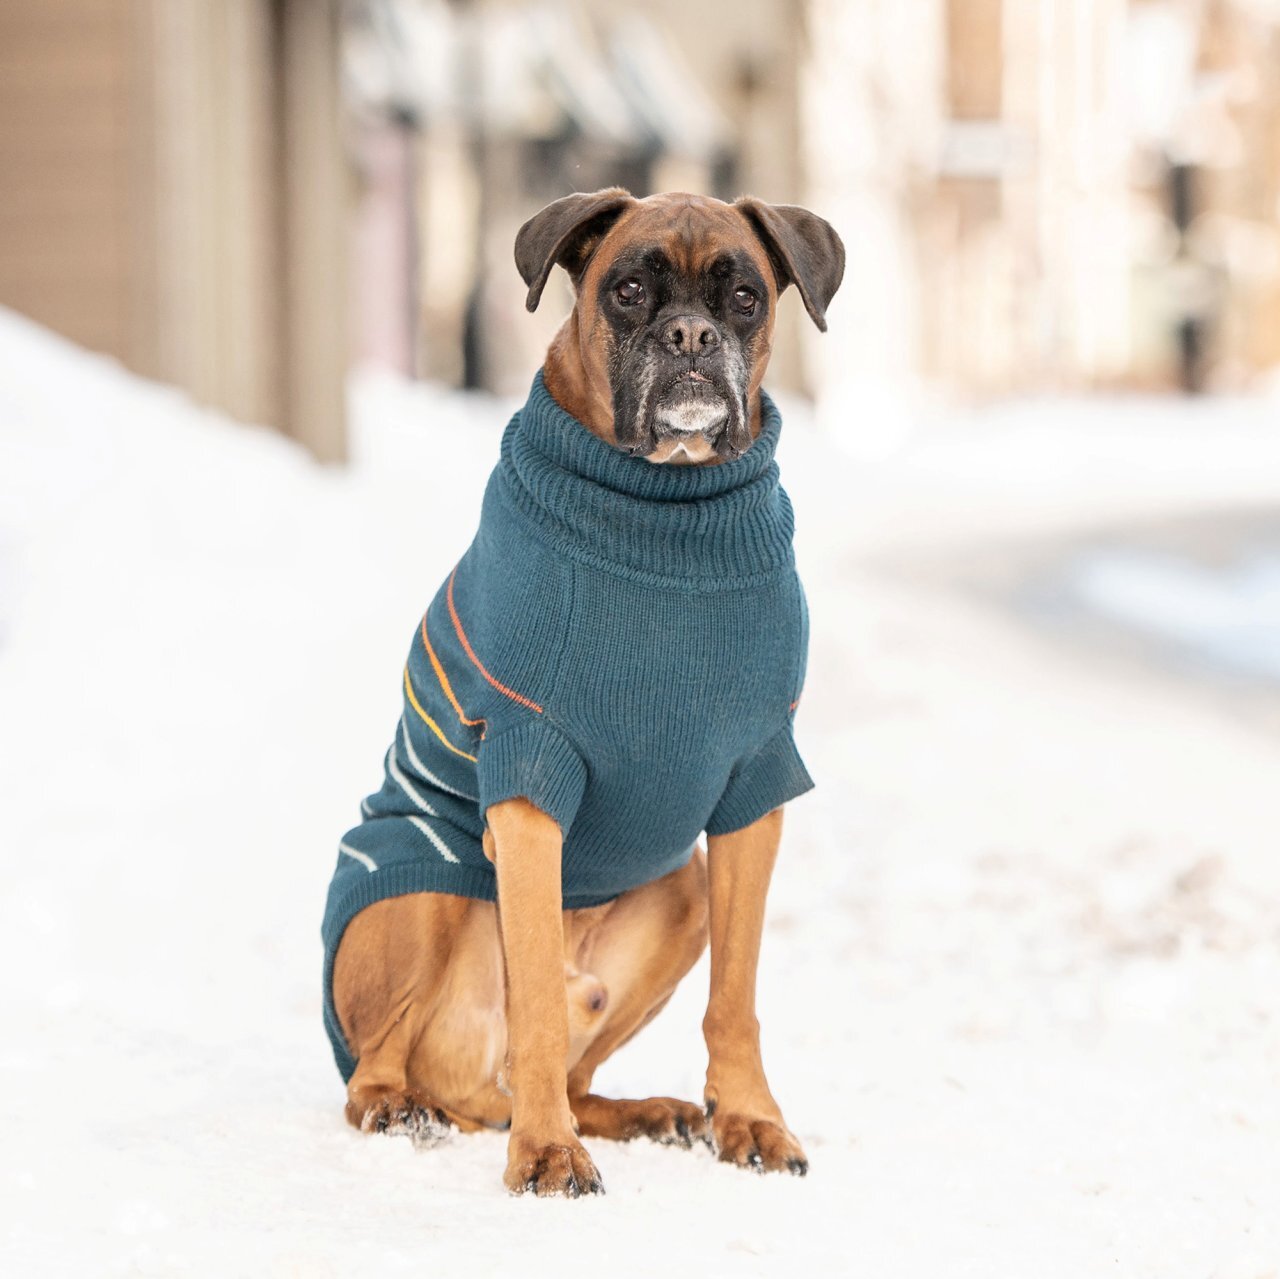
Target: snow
{"points": [[1018, 981], [1230, 617]]}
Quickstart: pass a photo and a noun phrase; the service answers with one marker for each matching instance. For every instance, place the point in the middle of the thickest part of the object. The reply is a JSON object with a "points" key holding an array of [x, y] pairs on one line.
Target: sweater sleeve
{"points": [[760, 783], [534, 761]]}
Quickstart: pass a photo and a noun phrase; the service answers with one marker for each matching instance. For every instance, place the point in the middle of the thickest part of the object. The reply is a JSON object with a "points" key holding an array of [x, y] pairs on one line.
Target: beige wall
{"points": [[66, 167], [172, 193]]}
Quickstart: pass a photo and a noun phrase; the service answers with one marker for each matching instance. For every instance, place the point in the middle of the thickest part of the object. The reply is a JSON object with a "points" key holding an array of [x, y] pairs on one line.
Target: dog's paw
{"points": [[758, 1144], [400, 1115], [662, 1119], [556, 1169]]}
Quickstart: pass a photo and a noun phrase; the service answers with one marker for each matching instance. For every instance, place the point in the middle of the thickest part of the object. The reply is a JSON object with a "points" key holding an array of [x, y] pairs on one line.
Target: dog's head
{"points": [[673, 323]]}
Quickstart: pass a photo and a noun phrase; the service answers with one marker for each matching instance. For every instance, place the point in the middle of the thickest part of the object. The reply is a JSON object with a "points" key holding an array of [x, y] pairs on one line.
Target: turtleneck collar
{"points": [[690, 527], [563, 440]]}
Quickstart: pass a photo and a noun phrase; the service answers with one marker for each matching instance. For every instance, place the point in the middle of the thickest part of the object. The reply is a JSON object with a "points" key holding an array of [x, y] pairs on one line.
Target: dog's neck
{"points": [[588, 398], [566, 376]]}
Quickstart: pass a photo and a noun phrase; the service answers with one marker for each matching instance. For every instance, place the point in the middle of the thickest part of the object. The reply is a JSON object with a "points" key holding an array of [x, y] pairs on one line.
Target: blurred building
{"points": [[243, 197], [173, 193], [468, 117], [1051, 195]]}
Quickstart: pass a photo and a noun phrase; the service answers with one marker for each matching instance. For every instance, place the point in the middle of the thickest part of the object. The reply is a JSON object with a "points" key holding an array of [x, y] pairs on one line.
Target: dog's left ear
{"points": [[805, 251], [565, 232]]}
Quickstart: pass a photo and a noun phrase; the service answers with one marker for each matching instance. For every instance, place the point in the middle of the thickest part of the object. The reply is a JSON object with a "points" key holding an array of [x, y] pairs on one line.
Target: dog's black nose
{"points": [[690, 335]]}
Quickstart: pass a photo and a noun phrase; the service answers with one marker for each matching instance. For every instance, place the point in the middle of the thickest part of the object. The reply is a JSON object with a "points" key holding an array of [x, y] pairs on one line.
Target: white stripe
{"points": [[406, 785], [365, 810], [368, 862], [445, 851], [423, 770]]}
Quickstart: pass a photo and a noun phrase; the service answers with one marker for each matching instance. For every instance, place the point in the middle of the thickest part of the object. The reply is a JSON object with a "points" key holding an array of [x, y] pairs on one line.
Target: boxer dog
{"points": [[462, 1012]]}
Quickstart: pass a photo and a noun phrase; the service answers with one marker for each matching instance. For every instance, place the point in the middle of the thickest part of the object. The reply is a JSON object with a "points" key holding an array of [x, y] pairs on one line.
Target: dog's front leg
{"points": [[543, 1154], [746, 1123]]}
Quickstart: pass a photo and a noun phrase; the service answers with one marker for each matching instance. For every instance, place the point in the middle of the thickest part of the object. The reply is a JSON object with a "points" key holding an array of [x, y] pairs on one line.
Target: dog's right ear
{"points": [[565, 233]]}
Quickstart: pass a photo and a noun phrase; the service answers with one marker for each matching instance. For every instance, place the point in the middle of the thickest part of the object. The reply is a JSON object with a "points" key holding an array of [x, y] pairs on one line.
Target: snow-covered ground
{"points": [[1019, 984], [1229, 618]]}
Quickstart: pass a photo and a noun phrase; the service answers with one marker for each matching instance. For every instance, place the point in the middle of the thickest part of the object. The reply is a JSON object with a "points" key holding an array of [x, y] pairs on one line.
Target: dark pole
{"points": [[471, 95], [1190, 330]]}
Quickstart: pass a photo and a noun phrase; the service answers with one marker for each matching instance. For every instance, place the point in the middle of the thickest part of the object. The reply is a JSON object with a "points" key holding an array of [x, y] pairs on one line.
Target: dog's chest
{"points": [[666, 679]]}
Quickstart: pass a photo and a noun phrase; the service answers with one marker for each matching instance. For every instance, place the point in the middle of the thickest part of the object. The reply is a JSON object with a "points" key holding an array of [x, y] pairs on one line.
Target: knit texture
{"points": [[623, 644]]}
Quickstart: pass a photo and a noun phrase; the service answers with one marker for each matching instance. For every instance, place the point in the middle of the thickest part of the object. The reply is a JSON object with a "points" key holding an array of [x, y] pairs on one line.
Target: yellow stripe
{"points": [[430, 723]]}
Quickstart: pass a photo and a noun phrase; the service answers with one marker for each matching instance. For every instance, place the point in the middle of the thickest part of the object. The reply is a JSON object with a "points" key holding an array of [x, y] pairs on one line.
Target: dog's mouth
{"points": [[692, 404], [687, 411]]}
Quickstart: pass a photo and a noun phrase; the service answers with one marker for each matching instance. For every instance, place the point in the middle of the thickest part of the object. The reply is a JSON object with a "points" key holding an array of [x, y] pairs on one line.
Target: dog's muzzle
{"points": [[691, 405], [694, 402]]}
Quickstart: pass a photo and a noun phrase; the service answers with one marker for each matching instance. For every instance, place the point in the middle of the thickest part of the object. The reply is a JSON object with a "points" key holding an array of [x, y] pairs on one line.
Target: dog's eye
{"points": [[744, 301], [629, 292]]}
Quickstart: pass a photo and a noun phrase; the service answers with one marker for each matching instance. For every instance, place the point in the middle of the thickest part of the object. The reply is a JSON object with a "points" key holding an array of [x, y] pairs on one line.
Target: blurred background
{"points": [[260, 330], [247, 197]]}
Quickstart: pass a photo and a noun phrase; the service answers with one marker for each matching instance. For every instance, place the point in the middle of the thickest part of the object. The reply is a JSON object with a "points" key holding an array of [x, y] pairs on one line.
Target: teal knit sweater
{"points": [[623, 644]]}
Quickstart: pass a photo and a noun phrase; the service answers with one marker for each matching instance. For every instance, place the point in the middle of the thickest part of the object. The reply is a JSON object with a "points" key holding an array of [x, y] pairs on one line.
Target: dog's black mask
{"points": [[683, 346]]}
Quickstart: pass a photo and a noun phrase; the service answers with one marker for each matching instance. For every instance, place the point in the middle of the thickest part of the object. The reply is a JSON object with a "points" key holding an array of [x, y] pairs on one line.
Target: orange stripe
{"points": [[795, 703], [479, 665], [430, 723], [444, 681]]}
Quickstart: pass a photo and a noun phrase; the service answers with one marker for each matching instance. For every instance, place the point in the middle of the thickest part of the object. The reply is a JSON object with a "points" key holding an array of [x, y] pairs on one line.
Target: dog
{"points": [[610, 671]]}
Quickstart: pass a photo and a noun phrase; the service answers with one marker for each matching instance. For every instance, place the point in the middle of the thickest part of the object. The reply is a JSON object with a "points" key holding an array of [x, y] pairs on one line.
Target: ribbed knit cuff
{"points": [[771, 777], [534, 762]]}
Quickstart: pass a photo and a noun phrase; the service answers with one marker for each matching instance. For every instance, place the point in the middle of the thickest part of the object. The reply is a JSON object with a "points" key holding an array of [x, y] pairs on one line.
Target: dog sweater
{"points": [[623, 644]]}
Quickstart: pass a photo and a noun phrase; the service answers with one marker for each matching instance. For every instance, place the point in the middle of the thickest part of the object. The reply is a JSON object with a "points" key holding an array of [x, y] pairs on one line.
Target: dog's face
{"points": [[674, 319], [688, 309]]}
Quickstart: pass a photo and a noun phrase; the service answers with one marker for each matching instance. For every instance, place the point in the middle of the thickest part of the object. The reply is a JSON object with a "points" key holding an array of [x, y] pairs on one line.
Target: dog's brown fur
{"points": [[465, 1013]]}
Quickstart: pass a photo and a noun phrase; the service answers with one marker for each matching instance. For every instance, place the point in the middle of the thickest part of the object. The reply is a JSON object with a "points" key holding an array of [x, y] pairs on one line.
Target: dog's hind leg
{"points": [[389, 975], [639, 947]]}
